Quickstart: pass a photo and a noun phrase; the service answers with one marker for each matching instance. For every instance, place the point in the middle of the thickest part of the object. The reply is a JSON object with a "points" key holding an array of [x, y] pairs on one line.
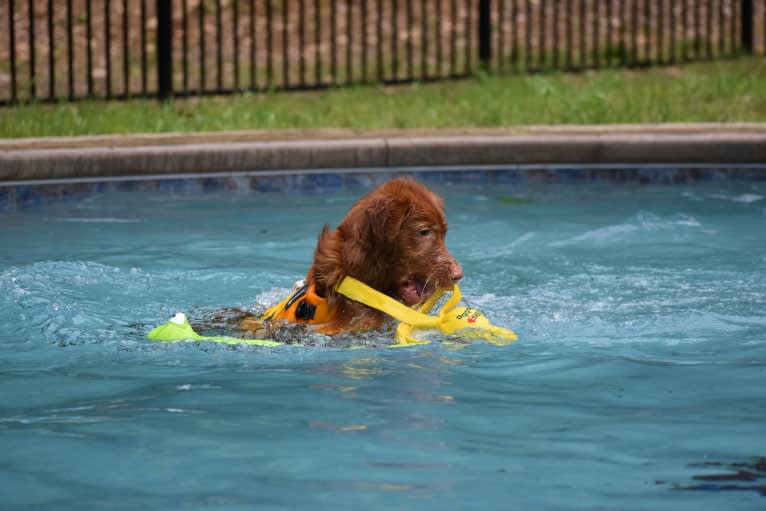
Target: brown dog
{"points": [[392, 240]]}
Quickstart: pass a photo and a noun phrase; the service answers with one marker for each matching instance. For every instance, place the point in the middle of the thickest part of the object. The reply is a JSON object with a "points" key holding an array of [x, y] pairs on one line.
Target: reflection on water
{"points": [[728, 477]]}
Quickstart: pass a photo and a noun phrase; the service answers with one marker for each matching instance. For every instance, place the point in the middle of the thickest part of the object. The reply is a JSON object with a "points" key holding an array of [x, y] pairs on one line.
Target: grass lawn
{"points": [[732, 91]]}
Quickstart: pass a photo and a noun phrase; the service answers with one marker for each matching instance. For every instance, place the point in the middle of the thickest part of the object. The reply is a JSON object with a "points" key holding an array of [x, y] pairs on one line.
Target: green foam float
{"points": [[178, 329]]}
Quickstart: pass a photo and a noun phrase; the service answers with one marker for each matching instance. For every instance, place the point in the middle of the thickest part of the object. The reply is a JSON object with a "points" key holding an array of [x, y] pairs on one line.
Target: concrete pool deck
{"points": [[105, 157]]}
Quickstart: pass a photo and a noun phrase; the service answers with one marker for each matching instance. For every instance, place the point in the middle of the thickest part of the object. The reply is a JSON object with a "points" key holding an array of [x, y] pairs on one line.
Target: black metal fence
{"points": [[72, 49]]}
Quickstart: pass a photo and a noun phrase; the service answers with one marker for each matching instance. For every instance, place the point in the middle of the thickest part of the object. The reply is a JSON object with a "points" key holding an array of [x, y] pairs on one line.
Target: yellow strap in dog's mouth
{"points": [[451, 319]]}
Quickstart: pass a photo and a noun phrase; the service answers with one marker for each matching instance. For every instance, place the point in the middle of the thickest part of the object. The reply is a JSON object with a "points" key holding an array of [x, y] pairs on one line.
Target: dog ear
{"points": [[356, 248], [326, 270], [385, 219]]}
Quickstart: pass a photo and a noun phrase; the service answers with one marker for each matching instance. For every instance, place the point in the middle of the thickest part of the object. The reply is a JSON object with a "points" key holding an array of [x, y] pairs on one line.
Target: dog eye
{"points": [[425, 232]]}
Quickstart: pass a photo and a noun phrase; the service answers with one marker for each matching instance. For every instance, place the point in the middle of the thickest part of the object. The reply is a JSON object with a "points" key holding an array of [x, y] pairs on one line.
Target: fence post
{"points": [[485, 34], [747, 26], [164, 49]]}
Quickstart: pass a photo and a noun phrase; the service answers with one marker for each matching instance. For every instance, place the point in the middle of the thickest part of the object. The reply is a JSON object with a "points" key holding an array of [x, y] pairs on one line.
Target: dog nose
{"points": [[455, 271]]}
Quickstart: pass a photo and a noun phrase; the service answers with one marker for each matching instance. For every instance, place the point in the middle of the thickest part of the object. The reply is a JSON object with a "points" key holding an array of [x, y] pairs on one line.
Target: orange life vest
{"points": [[302, 306]]}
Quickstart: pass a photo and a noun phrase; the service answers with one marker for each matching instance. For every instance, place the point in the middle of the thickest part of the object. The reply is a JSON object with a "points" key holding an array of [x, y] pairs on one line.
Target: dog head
{"points": [[393, 239]]}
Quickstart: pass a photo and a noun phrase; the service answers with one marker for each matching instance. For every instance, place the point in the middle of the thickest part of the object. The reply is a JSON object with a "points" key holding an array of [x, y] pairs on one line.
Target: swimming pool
{"points": [[637, 382]]}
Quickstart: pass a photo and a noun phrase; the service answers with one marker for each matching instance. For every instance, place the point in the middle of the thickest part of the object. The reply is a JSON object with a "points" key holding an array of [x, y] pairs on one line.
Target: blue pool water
{"points": [[638, 381]]}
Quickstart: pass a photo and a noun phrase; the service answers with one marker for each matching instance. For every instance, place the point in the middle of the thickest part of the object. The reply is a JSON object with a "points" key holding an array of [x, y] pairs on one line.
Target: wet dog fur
{"points": [[393, 240]]}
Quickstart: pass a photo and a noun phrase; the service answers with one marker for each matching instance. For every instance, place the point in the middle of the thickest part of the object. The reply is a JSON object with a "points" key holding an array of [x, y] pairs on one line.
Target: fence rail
{"points": [[54, 50]]}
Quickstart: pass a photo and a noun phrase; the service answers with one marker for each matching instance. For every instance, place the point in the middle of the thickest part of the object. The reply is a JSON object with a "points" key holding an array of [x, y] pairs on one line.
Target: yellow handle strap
{"points": [[359, 292], [451, 303], [451, 318]]}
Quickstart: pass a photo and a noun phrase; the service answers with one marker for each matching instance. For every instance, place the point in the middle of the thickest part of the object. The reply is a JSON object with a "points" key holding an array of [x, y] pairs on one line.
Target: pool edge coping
{"points": [[214, 153]]}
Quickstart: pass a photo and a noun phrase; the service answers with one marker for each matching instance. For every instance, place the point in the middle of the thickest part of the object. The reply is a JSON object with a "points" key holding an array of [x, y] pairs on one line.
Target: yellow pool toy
{"points": [[451, 319]]}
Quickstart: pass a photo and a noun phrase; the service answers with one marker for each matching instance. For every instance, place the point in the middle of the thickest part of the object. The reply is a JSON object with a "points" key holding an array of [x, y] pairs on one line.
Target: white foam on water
{"points": [[743, 198], [99, 220], [640, 224]]}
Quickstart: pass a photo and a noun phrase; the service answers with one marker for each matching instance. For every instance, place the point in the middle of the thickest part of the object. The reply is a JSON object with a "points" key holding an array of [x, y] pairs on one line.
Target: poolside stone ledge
{"points": [[105, 157]]}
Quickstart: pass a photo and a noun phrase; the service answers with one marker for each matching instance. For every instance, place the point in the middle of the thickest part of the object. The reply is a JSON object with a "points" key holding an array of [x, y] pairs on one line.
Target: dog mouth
{"points": [[415, 290]]}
